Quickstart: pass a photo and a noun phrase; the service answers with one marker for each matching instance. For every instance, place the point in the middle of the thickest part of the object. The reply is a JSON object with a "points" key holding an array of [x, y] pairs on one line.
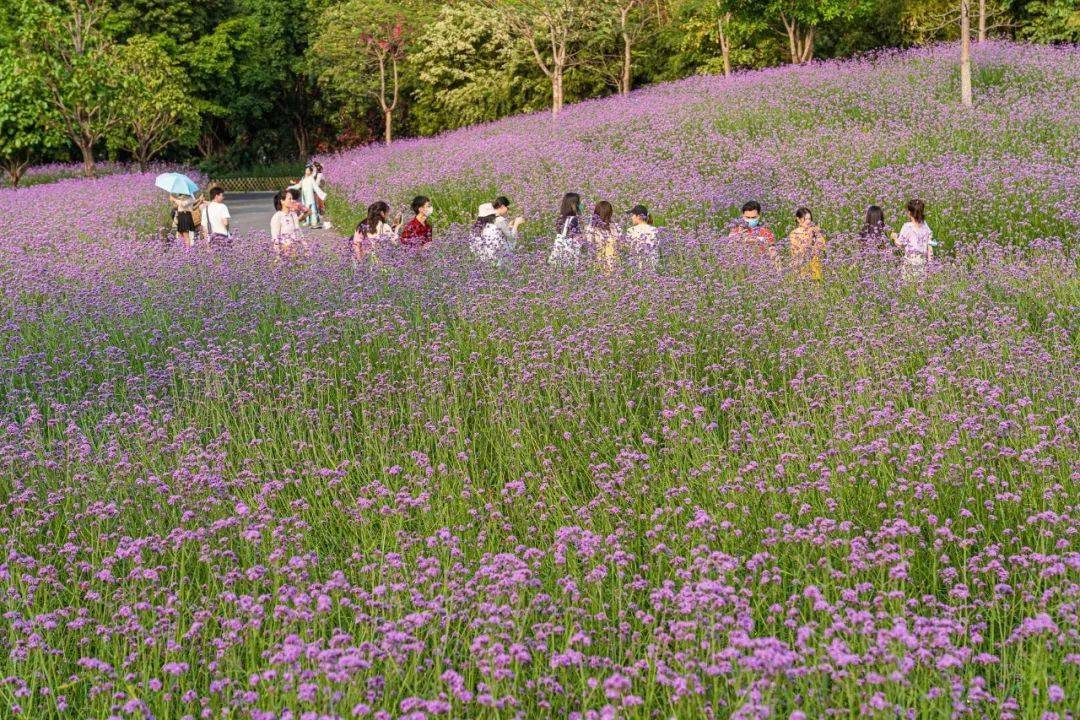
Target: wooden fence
{"points": [[252, 184]]}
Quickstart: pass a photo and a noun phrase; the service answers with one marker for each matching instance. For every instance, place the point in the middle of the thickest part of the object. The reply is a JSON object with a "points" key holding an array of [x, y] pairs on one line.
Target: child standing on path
{"points": [[915, 241]]}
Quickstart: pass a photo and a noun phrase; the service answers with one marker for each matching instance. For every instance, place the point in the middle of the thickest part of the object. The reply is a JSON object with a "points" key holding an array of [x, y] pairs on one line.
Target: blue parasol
{"points": [[176, 184]]}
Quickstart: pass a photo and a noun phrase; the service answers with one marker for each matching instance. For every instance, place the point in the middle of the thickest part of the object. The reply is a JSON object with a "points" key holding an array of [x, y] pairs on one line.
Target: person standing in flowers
{"points": [[751, 229], [874, 234], [320, 194], [185, 217], [418, 232], [915, 241], [217, 218], [309, 195], [567, 248], [373, 232], [602, 237], [285, 232], [486, 240], [509, 230], [807, 245], [642, 239]]}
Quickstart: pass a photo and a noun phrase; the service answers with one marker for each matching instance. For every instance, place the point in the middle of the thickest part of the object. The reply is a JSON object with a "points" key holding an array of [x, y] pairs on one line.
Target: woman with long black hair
{"points": [[567, 248]]}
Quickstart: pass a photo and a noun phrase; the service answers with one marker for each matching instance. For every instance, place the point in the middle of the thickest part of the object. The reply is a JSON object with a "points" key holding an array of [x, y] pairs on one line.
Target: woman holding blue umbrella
{"points": [[182, 195], [185, 221]]}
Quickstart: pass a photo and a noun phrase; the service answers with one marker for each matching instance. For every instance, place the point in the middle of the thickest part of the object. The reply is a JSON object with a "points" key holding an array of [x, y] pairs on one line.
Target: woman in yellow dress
{"points": [[807, 245], [602, 236]]}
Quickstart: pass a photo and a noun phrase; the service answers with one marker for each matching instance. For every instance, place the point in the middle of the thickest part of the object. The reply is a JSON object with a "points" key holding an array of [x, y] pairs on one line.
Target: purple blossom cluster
{"points": [[425, 488]]}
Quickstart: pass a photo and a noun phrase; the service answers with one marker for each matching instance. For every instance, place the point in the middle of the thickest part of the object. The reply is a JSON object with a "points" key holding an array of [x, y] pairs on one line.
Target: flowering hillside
{"points": [[837, 137], [422, 488]]}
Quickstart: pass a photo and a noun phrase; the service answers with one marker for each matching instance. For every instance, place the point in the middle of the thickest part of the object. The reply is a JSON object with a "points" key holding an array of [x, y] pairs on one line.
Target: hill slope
{"points": [[836, 136]]}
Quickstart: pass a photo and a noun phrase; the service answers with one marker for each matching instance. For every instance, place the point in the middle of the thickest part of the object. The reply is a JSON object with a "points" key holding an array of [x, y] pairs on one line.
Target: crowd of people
{"points": [[494, 235], [196, 216]]}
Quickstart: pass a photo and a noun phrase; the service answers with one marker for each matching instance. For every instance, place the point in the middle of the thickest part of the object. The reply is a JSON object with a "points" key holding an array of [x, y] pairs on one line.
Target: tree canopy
{"points": [[242, 82]]}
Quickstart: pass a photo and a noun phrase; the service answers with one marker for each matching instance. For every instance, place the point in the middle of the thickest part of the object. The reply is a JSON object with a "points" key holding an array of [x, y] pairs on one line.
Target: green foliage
{"points": [[155, 112], [696, 34], [1049, 20], [471, 70], [346, 73], [273, 80], [27, 127], [77, 64]]}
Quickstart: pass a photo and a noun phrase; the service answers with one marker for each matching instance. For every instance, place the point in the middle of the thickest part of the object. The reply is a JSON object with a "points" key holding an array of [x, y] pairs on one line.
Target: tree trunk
{"points": [[965, 53], [725, 46], [808, 45], [800, 40], [14, 170], [982, 20], [790, 27], [556, 90], [87, 149], [300, 135], [388, 120], [626, 66]]}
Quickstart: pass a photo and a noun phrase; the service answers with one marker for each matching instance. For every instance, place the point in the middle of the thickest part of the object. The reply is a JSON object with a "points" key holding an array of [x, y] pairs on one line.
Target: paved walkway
{"points": [[251, 212]]}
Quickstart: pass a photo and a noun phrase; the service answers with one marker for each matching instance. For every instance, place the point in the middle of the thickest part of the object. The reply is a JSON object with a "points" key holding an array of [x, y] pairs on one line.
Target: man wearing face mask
{"points": [[751, 228], [418, 232]]}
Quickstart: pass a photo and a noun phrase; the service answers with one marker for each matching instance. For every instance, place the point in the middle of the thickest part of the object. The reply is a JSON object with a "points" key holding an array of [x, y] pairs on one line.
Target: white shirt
{"points": [[216, 214], [644, 231]]}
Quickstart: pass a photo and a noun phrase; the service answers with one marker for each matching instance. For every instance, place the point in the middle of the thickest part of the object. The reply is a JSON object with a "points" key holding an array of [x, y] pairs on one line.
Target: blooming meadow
{"points": [[426, 488]]}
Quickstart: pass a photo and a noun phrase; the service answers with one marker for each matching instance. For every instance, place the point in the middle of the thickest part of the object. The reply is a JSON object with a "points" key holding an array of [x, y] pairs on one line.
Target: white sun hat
{"points": [[485, 210]]}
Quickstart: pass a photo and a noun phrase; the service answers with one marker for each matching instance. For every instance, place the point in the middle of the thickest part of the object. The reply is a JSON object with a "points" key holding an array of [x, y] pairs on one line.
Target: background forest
{"points": [[231, 84]]}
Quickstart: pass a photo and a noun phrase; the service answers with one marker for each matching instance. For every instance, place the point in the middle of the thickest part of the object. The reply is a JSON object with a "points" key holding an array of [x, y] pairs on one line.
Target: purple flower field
{"points": [[431, 489]]}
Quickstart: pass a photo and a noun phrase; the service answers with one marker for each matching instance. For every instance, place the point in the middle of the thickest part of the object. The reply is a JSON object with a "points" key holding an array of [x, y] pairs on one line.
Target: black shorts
{"points": [[184, 222]]}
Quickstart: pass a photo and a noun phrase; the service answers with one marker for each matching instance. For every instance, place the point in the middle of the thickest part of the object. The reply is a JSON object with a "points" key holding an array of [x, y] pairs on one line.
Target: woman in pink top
{"points": [[285, 227], [916, 241]]}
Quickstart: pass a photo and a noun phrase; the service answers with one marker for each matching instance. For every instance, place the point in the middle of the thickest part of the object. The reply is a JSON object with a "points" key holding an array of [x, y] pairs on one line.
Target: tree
{"points": [[965, 52], [155, 113], [471, 70], [386, 47], [801, 19], [76, 62], [352, 62], [1048, 20], [716, 36], [627, 19], [26, 132], [558, 33]]}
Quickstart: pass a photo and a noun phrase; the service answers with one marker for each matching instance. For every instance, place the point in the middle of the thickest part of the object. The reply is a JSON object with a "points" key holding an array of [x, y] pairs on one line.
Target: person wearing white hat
{"points": [[486, 242]]}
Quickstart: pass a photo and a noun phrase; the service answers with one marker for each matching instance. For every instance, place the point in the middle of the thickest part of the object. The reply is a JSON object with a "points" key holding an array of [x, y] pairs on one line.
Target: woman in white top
{"points": [[486, 241], [641, 240], [916, 241], [373, 233], [509, 229], [285, 227]]}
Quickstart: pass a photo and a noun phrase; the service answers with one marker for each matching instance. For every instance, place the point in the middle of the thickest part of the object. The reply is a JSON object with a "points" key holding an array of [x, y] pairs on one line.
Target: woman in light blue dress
{"points": [[309, 191]]}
